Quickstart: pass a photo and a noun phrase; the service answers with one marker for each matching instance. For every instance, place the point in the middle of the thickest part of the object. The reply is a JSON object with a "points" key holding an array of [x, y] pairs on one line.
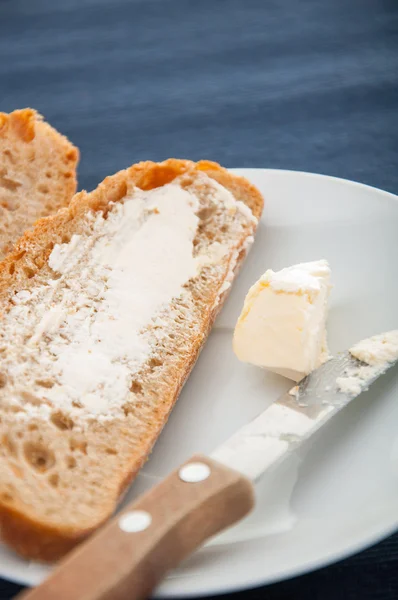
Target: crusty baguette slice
{"points": [[63, 468], [37, 173]]}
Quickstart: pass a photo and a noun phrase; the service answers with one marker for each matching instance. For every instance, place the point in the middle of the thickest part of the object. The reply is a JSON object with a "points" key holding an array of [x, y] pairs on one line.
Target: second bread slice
{"points": [[37, 173]]}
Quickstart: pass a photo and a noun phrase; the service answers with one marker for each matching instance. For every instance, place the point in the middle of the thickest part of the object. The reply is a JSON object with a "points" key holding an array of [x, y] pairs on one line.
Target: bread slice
{"points": [[37, 173], [68, 452]]}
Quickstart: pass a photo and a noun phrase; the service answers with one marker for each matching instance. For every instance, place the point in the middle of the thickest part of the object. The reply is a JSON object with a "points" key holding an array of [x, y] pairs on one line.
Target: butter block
{"points": [[282, 326]]}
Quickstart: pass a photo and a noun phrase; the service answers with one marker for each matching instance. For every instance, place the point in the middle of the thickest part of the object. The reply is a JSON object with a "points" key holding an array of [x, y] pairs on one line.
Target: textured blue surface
{"points": [[308, 85]]}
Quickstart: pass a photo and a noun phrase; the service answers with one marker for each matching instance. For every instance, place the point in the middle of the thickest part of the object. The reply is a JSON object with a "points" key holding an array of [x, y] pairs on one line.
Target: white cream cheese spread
{"points": [[87, 330]]}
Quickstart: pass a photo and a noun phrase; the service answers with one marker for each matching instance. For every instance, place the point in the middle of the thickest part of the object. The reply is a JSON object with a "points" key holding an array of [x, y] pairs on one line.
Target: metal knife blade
{"points": [[291, 420]]}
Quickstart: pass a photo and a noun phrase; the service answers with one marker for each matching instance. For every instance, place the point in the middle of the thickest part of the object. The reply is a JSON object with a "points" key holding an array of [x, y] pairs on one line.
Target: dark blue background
{"points": [[308, 85]]}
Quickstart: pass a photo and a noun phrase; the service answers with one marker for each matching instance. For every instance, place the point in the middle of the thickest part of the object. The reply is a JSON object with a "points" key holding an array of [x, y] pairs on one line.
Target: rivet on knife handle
{"points": [[128, 557]]}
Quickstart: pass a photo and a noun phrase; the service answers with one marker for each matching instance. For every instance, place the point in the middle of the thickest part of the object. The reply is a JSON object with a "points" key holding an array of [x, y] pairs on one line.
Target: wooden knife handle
{"points": [[129, 556]]}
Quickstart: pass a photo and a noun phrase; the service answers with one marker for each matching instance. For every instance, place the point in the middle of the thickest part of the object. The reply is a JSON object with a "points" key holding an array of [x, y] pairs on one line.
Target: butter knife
{"points": [[129, 556]]}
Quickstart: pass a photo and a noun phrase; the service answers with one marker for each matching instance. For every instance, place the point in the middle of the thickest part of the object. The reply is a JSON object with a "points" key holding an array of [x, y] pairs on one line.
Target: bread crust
{"points": [[28, 536]]}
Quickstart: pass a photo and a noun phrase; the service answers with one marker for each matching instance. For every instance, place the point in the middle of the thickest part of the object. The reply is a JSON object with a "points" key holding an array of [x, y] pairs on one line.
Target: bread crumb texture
{"points": [[105, 307]]}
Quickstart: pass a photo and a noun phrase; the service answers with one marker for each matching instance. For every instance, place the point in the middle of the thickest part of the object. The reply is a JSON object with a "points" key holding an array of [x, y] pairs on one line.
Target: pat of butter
{"points": [[282, 326]]}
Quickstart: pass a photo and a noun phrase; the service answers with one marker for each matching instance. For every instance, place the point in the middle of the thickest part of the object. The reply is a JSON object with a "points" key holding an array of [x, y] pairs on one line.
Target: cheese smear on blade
{"points": [[376, 353], [282, 326]]}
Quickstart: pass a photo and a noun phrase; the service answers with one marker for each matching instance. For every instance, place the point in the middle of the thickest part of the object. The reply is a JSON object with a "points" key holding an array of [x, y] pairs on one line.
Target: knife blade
{"points": [[132, 552], [297, 415]]}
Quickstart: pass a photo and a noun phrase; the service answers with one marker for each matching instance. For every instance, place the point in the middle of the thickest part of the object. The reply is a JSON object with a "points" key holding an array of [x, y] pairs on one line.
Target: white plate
{"points": [[340, 493]]}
